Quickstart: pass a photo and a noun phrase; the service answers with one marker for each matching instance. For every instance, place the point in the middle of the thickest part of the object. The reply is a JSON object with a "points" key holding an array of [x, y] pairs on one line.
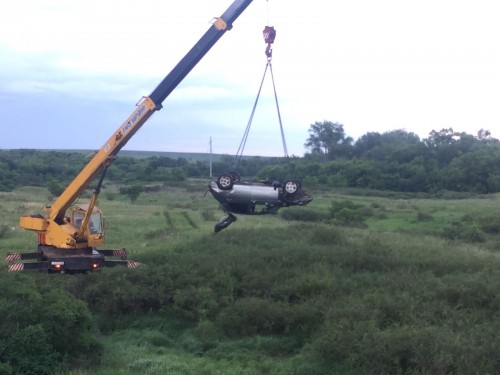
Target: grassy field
{"points": [[409, 287]]}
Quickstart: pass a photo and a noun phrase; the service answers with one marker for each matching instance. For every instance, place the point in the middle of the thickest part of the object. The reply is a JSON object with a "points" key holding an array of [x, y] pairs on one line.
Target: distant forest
{"points": [[396, 161]]}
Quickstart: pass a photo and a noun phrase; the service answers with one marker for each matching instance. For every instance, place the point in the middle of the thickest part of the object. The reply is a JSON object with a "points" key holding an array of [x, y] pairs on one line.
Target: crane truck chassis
{"points": [[69, 234]]}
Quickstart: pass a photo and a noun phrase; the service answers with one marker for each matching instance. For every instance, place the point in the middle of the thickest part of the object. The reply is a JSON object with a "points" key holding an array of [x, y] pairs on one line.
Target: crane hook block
{"points": [[269, 34]]}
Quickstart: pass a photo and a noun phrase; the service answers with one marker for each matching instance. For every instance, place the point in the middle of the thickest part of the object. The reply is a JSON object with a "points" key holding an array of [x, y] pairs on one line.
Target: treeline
{"points": [[37, 168], [56, 169], [396, 160]]}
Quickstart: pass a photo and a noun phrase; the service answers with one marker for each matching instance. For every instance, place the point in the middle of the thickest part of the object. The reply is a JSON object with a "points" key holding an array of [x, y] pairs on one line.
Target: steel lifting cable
{"points": [[278, 110], [269, 35], [243, 142]]}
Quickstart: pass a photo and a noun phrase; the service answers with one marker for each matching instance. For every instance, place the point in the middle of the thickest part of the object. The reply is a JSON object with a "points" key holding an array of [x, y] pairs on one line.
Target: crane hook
{"points": [[269, 35]]}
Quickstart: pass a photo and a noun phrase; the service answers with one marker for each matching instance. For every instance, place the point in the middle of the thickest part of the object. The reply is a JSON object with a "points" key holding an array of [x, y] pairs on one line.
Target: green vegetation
{"points": [[132, 191], [392, 269], [445, 163], [56, 169], [356, 282]]}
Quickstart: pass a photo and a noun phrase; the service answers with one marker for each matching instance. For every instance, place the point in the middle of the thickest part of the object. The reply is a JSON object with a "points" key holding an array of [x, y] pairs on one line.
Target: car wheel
{"points": [[291, 187], [235, 176], [225, 182]]}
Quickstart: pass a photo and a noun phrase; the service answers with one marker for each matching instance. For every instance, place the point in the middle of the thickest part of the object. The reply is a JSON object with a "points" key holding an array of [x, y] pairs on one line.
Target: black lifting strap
{"points": [[269, 34]]}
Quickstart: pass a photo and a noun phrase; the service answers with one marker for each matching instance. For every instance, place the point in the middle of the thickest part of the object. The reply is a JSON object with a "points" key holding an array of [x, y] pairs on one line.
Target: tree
{"points": [[328, 138], [132, 192], [442, 137], [485, 136], [55, 188], [43, 328], [446, 145], [366, 143]]}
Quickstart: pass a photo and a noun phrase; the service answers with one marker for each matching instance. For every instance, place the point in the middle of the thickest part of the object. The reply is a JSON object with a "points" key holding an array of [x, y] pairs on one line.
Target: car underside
{"points": [[255, 198]]}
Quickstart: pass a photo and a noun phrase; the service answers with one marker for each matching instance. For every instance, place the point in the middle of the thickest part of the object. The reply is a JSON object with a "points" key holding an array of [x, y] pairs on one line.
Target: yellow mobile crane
{"points": [[70, 234]]}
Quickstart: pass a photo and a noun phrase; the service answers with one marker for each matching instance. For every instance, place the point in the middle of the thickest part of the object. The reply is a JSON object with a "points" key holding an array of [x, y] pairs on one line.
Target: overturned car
{"points": [[245, 197]]}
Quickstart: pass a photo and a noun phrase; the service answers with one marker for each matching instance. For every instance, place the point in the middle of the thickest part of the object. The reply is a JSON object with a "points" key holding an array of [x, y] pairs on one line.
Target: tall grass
{"points": [[293, 294]]}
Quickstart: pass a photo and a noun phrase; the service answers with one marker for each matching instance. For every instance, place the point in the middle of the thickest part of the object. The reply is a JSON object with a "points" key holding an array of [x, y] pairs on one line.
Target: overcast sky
{"points": [[71, 71]]}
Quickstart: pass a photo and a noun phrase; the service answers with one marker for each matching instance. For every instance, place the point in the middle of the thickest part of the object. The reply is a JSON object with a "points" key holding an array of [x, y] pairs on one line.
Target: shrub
{"points": [[396, 350], [423, 216], [118, 291], [302, 214], [4, 229], [109, 195], [208, 332], [325, 235], [195, 303], [304, 319], [251, 316], [467, 232], [43, 327], [55, 188], [6, 369], [348, 213], [132, 192], [29, 351], [207, 215], [490, 224]]}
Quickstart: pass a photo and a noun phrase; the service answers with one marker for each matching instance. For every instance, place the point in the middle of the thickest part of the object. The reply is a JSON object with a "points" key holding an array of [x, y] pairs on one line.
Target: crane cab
{"points": [[95, 228]]}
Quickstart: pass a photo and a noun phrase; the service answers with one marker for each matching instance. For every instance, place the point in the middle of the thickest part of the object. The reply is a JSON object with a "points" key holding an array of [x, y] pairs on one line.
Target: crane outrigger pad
{"points": [[56, 260]]}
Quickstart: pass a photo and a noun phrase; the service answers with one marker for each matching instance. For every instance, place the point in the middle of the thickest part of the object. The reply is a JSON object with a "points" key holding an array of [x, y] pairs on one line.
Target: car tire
{"points": [[291, 187], [225, 182], [235, 176]]}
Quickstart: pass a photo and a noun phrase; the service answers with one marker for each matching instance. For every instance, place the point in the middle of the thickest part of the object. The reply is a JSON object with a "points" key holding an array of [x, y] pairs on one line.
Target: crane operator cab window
{"points": [[95, 222]]}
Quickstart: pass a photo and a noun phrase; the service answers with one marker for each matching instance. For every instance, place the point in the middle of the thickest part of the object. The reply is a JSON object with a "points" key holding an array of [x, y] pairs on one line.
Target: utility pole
{"points": [[210, 157]]}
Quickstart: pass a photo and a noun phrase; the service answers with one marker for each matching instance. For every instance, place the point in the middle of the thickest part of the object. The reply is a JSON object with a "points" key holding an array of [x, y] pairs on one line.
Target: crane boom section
{"points": [[106, 155], [219, 27], [102, 159]]}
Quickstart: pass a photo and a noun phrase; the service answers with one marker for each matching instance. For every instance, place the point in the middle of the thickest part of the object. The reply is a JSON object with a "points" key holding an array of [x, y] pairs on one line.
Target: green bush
{"points": [[363, 347], [30, 351], [109, 195], [302, 214], [348, 213], [325, 235], [464, 231], [423, 216], [254, 316], [55, 188], [208, 215], [132, 191], [43, 327], [120, 291], [490, 223], [195, 303], [261, 316], [4, 229], [6, 369]]}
